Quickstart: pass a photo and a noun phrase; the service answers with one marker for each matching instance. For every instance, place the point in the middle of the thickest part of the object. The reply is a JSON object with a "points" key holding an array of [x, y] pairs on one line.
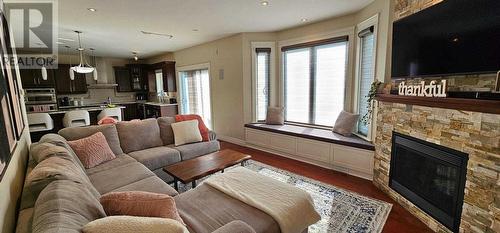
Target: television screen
{"points": [[450, 38]]}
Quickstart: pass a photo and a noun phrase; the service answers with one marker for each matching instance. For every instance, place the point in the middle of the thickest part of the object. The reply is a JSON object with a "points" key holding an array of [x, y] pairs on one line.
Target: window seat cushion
{"points": [[314, 134]]}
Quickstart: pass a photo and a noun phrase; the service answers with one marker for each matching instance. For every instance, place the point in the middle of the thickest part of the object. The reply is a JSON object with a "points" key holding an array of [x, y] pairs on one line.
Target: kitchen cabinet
{"points": [[130, 112], [160, 110], [169, 77], [32, 78], [64, 85], [139, 77], [122, 77]]}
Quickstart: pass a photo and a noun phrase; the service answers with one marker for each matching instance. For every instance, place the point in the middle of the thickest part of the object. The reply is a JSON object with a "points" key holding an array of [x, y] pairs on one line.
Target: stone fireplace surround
{"points": [[475, 133]]}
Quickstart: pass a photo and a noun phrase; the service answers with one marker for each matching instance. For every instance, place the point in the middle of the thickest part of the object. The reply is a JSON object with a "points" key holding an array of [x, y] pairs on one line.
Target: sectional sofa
{"points": [[60, 195]]}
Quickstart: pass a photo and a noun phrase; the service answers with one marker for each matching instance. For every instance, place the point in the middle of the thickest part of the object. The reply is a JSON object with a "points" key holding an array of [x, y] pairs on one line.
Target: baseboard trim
{"points": [[232, 140]]}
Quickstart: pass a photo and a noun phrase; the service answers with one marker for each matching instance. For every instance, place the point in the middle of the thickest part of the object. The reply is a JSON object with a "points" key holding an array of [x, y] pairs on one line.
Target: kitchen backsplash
{"points": [[98, 96]]}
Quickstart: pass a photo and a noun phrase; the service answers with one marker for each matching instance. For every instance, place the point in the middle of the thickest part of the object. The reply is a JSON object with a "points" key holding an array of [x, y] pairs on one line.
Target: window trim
{"points": [[201, 66], [344, 32], [370, 22], [272, 74]]}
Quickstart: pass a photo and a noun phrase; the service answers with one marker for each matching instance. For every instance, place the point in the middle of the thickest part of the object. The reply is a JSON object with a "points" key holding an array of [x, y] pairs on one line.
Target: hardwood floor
{"points": [[399, 219]]}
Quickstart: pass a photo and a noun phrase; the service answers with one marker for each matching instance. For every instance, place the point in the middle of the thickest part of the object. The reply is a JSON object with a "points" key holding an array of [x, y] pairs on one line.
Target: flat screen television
{"points": [[454, 37]]}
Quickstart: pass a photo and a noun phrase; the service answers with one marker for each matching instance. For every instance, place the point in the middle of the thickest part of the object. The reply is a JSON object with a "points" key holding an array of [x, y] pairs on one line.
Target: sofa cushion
{"points": [[235, 226], [114, 178], [166, 133], [156, 157], [65, 206], [151, 184], [163, 175], [194, 150], [119, 161], [140, 203], [139, 135], [132, 224], [92, 150], [201, 210], [109, 131], [186, 132]]}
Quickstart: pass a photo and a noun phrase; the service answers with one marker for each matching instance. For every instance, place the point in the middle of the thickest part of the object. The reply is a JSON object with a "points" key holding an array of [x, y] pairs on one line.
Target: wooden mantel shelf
{"points": [[474, 105]]}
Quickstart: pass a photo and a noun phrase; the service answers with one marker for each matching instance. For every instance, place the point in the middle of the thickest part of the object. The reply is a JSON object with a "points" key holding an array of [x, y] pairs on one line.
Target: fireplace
{"points": [[430, 176]]}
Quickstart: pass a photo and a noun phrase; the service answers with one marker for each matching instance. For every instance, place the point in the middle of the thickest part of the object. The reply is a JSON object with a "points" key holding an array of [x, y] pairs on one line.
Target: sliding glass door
{"points": [[195, 94]]}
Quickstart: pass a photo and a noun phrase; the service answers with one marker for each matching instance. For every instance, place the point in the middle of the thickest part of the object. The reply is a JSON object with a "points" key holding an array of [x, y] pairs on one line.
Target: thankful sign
{"points": [[428, 90]]}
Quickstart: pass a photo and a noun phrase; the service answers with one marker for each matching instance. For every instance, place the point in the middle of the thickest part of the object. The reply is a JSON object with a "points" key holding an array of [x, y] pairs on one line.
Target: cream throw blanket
{"points": [[291, 207]]}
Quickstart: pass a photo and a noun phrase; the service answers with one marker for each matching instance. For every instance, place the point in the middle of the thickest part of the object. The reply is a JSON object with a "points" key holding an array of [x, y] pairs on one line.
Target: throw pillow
{"points": [[92, 150], [345, 123], [186, 132], [107, 121], [141, 204], [275, 116], [139, 135], [204, 131], [131, 224]]}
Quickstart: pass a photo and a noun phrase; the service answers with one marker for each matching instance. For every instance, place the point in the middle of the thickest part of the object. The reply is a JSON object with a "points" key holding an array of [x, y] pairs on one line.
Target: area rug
{"points": [[340, 210]]}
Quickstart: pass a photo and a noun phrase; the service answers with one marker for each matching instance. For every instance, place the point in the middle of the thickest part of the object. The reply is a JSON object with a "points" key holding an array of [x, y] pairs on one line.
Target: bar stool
{"points": [[76, 118], [110, 112], [39, 122]]}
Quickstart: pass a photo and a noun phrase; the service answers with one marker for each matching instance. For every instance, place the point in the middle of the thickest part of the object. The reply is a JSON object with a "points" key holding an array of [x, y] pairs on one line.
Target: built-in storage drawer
{"points": [[353, 158], [282, 143], [257, 137], [315, 150]]}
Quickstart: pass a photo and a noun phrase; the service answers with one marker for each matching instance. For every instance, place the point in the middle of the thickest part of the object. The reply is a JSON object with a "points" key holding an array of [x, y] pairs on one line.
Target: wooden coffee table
{"points": [[197, 168]]}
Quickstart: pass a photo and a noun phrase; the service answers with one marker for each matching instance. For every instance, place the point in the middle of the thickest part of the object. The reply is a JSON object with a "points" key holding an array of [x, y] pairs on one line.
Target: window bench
{"points": [[351, 155]]}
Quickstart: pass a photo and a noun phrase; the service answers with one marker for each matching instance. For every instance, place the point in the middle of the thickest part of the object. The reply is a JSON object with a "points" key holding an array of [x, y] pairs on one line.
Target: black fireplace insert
{"points": [[431, 176]]}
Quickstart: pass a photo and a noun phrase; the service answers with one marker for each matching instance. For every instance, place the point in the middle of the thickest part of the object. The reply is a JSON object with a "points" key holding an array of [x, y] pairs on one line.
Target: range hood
{"points": [[105, 77]]}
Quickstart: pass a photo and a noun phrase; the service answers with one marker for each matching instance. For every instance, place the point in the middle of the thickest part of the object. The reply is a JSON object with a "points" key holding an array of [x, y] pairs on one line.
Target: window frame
{"points": [[370, 22], [180, 93], [318, 40], [272, 74]]}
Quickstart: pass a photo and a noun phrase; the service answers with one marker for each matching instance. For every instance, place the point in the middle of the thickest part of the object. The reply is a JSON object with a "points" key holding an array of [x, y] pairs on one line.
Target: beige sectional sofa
{"points": [[60, 195]]}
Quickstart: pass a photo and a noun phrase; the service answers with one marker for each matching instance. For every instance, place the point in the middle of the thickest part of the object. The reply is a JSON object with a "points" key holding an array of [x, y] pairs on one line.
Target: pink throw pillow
{"points": [[107, 121], [92, 150], [140, 204]]}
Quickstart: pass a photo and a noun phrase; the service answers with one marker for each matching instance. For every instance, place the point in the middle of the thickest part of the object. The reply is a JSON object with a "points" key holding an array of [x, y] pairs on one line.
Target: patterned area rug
{"points": [[340, 210]]}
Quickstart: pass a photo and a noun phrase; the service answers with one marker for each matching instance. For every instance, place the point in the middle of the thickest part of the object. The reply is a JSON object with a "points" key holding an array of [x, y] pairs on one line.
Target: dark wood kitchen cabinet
{"points": [[32, 78], [64, 85], [138, 77], [130, 112], [122, 77], [169, 76]]}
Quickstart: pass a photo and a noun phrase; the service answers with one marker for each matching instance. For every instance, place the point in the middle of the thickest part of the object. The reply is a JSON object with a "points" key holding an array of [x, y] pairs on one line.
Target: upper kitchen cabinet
{"points": [[168, 72], [139, 77], [64, 85], [123, 79], [32, 78]]}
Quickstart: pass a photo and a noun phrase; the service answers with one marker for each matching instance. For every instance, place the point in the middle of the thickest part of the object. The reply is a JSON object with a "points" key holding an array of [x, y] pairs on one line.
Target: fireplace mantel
{"points": [[474, 105]]}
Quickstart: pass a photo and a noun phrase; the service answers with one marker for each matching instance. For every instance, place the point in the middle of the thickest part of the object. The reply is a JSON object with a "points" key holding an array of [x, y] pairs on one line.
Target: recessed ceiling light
{"points": [[264, 3], [303, 20], [92, 9]]}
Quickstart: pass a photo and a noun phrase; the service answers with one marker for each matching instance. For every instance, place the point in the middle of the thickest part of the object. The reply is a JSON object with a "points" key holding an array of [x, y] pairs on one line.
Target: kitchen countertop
{"points": [[88, 108], [160, 104]]}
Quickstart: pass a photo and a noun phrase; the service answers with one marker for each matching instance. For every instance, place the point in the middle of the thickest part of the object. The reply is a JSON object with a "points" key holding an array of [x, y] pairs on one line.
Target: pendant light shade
{"points": [[83, 67], [44, 73], [71, 74], [95, 75]]}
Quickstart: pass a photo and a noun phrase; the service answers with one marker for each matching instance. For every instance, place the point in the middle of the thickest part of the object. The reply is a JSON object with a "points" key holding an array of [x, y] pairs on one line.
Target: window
{"points": [[262, 83], [314, 76], [159, 81], [195, 94], [365, 73]]}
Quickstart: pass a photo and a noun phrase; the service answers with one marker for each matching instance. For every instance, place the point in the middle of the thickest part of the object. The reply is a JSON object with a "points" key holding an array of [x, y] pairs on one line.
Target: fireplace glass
{"points": [[430, 176]]}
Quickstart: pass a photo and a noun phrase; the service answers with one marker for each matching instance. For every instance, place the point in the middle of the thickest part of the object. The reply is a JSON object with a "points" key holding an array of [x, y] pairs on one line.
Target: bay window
{"points": [[314, 81]]}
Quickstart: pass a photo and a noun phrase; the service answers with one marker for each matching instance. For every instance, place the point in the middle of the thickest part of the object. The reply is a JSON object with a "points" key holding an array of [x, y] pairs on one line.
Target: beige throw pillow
{"points": [[130, 224], [345, 123], [186, 132], [275, 116]]}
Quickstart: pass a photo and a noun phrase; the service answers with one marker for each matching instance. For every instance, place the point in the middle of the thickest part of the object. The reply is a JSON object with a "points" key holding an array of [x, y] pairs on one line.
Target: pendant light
{"points": [[94, 61], [43, 69], [83, 67], [71, 73]]}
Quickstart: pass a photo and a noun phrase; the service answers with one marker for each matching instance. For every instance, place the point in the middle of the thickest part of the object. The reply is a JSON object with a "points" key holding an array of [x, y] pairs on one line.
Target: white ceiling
{"points": [[114, 29]]}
